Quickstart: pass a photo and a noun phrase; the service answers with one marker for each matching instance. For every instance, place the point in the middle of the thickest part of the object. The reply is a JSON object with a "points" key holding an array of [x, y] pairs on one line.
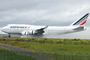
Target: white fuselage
{"points": [[19, 28], [23, 29]]}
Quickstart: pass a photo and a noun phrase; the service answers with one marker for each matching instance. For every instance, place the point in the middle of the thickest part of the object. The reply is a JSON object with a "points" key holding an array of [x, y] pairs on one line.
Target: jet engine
{"points": [[28, 32]]}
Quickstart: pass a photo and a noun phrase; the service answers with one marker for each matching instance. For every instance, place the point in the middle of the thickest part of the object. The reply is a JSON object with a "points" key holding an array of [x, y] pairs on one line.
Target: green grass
{"points": [[11, 55], [52, 45]]}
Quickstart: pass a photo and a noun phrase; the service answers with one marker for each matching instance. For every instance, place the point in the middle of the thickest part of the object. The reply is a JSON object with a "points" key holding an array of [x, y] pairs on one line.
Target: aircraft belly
{"points": [[54, 32]]}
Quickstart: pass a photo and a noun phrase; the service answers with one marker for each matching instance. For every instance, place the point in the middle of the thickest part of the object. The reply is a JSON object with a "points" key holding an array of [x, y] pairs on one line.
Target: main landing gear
{"points": [[9, 35]]}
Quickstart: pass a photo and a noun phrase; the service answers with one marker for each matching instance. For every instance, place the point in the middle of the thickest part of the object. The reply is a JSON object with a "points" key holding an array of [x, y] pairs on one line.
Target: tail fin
{"points": [[81, 21]]}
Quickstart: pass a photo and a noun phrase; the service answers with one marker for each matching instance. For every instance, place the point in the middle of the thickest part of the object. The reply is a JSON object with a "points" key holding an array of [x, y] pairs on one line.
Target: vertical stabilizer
{"points": [[81, 21]]}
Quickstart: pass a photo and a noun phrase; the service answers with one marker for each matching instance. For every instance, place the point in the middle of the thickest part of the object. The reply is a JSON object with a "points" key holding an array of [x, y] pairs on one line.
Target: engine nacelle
{"points": [[32, 32], [28, 32]]}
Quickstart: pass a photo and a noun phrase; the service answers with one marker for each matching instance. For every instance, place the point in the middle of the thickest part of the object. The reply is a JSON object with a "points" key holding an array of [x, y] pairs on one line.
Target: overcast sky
{"points": [[43, 12]]}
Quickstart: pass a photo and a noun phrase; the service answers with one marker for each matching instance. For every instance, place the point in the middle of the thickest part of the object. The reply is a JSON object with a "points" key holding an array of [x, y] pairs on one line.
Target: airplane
{"points": [[25, 30]]}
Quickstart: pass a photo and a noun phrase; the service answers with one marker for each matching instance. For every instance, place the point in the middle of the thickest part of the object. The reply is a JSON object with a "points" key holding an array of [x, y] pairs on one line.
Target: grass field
{"points": [[11, 55], [52, 45]]}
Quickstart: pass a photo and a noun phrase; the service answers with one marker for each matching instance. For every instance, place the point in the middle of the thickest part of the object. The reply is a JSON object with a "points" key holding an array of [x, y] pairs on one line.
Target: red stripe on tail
{"points": [[83, 22]]}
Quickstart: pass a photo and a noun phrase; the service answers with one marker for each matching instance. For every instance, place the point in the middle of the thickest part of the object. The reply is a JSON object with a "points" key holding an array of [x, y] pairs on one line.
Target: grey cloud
{"points": [[52, 12]]}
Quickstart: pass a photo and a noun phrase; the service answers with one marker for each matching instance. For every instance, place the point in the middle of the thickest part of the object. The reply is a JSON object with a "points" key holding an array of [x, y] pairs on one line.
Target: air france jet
{"points": [[25, 30]]}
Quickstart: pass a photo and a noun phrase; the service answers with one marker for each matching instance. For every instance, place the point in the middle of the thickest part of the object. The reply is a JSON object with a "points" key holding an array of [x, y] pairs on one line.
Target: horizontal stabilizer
{"points": [[79, 28]]}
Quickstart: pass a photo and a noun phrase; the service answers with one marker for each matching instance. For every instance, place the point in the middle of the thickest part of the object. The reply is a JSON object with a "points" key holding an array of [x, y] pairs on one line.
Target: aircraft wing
{"points": [[41, 30]]}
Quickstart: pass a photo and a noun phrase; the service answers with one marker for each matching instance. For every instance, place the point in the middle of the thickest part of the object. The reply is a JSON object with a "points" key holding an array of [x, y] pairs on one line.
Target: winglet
{"points": [[46, 27]]}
